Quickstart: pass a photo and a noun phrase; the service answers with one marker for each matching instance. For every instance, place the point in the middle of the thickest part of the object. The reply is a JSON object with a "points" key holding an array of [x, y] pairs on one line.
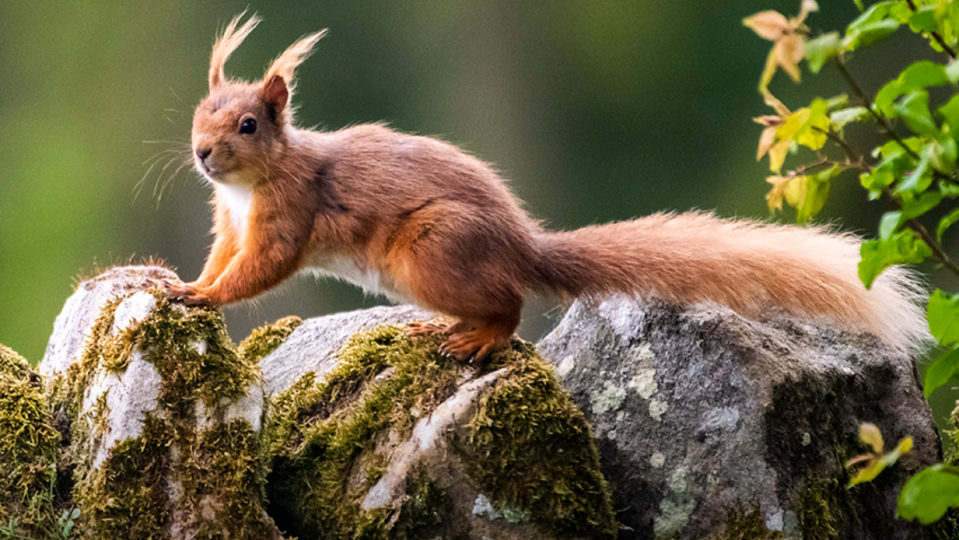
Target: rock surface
{"points": [[707, 421], [352, 429], [313, 346], [708, 426], [160, 413]]}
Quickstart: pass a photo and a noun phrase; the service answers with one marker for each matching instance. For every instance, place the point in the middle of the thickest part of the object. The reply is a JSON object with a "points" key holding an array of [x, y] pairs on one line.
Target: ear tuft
{"points": [[226, 43], [293, 56], [275, 94]]}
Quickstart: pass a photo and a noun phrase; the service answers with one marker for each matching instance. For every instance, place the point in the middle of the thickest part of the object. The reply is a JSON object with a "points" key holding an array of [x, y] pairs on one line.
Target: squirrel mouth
{"points": [[207, 170]]}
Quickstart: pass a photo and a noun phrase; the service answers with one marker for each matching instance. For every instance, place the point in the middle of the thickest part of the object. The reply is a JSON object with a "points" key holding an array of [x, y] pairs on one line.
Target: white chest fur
{"points": [[347, 269], [238, 200]]}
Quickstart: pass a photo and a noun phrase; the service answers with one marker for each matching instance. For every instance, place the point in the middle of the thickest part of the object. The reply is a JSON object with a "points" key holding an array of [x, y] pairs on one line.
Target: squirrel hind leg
{"points": [[478, 342]]}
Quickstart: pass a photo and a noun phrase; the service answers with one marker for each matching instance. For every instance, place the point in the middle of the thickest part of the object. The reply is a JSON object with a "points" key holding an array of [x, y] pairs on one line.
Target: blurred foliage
{"points": [[595, 111]]}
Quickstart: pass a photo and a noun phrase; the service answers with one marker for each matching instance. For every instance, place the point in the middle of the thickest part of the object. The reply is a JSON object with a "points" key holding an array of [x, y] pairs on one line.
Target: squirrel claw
{"points": [[185, 293]]}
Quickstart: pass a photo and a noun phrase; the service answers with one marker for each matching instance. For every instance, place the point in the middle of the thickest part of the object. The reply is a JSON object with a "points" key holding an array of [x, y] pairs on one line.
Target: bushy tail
{"points": [[748, 266]]}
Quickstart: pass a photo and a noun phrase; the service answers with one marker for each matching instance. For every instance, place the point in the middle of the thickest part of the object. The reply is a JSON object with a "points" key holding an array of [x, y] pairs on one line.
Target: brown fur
{"points": [[422, 221]]}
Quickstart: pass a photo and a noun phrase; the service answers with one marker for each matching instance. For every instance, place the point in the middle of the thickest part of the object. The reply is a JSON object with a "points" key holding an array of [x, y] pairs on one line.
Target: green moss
{"points": [[321, 437], [212, 474], [317, 432], [225, 465], [423, 509], [127, 497], [264, 340], [193, 354], [817, 507], [28, 453], [747, 526], [530, 449]]}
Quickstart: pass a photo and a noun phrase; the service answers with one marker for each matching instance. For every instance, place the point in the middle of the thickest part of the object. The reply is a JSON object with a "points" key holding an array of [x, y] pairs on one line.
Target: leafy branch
{"points": [[915, 168]]}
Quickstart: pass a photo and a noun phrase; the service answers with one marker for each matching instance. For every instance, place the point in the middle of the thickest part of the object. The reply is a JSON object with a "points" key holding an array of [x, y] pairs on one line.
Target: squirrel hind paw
{"points": [[474, 345], [439, 325], [427, 328]]}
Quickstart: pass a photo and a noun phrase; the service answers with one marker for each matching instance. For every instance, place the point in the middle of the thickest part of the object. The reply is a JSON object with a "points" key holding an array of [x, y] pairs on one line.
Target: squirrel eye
{"points": [[248, 126]]}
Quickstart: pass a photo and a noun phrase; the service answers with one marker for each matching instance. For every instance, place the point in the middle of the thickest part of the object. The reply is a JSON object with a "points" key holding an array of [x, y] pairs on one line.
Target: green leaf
{"points": [[870, 472], [928, 495], [873, 24], [949, 190], [952, 70], [837, 101], [858, 4], [839, 119], [924, 20], [900, 248], [940, 371], [942, 154], [942, 312], [918, 76], [914, 207], [889, 224], [914, 110], [821, 49], [947, 221], [812, 133], [918, 180], [868, 34], [950, 113]]}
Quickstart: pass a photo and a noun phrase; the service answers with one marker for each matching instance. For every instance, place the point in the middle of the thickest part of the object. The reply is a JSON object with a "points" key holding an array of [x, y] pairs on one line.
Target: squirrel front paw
{"points": [[186, 294]]}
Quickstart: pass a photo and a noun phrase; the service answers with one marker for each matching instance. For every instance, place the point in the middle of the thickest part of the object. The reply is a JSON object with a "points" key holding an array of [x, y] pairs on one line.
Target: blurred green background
{"points": [[595, 111]]}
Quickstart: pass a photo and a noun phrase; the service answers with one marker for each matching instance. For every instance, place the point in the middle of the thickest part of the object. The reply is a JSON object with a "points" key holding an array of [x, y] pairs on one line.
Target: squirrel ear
{"points": [[275, 94]]}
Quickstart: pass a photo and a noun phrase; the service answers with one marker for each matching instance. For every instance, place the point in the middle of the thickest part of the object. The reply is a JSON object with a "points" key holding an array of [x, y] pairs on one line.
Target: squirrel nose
{"points": [[203, 152]]}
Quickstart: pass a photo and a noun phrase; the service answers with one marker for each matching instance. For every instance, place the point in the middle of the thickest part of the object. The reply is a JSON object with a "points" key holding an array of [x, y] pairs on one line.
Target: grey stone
{"points": [[83, 307], [313, 346], [701, 415]]}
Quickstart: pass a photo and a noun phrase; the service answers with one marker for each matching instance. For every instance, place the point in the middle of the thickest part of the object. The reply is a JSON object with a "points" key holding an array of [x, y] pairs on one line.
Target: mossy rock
{"points": [[398, 441], [160, 430], [161, 415], [28, 454]]}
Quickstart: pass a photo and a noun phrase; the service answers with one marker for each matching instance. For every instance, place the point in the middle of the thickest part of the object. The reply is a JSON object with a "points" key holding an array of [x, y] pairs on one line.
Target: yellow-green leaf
{"points": [[870, 435]]}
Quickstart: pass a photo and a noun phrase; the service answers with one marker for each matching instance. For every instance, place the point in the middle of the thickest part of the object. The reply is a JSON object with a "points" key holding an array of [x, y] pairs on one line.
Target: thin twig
{"points": [[802, 169], [914, 223], [851, 154], [936, 35], [920, 229], [867, 103], [937, 249]]}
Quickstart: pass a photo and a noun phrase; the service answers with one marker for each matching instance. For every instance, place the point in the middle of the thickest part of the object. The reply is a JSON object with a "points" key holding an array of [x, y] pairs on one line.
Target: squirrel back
{"points": [[420, 220]]}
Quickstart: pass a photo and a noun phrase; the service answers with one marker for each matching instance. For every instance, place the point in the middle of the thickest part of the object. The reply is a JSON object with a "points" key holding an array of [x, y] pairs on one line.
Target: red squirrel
{"points": [[419, 220]]}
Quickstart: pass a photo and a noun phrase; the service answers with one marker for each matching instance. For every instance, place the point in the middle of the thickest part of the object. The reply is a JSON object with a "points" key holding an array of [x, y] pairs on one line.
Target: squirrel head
{"points": [[239, 129]]}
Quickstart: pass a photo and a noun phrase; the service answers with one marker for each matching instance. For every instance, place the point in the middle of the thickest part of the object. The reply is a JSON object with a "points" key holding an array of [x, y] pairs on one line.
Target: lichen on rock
{"points": [[723, 413]]}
